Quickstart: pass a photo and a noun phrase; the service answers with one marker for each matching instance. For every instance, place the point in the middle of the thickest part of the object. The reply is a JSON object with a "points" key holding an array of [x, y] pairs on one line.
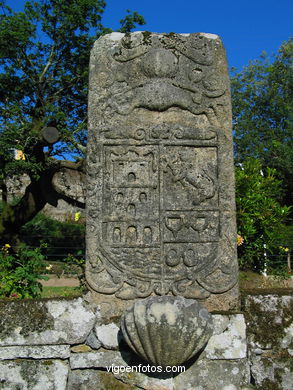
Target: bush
{"points": [[260, 216], [20, 273], [79, 265]]}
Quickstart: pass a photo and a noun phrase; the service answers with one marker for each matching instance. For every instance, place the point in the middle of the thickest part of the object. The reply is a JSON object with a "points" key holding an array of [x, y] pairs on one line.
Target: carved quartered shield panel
{"points": [[161, 215]]}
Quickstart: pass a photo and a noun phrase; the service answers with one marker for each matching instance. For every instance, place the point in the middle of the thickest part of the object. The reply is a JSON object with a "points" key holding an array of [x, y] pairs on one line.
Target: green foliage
{"points": [[7, 212], [128, 23], [45, 81], [73, 262], [260, 216], [20, 273], [262, 95], [62, 238], [44, 69]]}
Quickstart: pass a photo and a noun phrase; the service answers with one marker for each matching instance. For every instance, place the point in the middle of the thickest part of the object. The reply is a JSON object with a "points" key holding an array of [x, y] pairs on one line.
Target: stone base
{"points": [[77, 345]]}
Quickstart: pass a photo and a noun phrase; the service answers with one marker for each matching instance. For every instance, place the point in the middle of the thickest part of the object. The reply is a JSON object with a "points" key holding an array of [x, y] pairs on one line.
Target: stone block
{"points": [[40, 322], [93, 341], [35, 352], [107, 335], [33, 374], [274, 372], [147, 380], [215, 375], [95, 380], [270, 318], [97, 359], [80, 348], [229, 338]]}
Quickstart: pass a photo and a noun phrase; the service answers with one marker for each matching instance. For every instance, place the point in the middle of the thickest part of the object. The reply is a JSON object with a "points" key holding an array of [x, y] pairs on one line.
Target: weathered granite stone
{"points": [[270, 339], [95, 380], [151, 326], [229, 338], [38, 322], [108, 335], [92, 341], [35, 352], [271, 322], [110, 308], [273, 372], [33, 374], [160, 200], [287, 339], [215, 375], [80, 348], [147, 379], [97, 359], [125, 366]]}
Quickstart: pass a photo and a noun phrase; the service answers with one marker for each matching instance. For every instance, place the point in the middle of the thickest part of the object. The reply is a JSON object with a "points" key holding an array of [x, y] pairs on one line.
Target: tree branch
{"points": [[49, 63]]}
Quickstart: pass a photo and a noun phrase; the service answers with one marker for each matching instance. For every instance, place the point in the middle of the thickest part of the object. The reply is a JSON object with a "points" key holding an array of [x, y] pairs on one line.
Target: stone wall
{"points": [[270, 339], [67, 344]]}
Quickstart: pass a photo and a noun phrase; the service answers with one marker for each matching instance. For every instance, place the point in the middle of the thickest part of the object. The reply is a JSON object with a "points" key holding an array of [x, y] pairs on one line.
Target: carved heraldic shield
{"points": [[160, 202]]}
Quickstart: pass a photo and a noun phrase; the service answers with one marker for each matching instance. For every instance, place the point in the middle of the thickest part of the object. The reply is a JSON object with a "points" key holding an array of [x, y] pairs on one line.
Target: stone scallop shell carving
{"points": [[166, 330]]}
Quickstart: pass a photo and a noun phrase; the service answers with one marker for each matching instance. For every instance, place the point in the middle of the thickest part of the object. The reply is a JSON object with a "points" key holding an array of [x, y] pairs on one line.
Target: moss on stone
{"points": [[267, 384], [127, 40], [29, 371], [282, 354], [47, 362], [81, 348], [113, 319], [28, 315], [171, 35], [266, 291], [262, 326], [147, 37], [109, 382], [226, 313]]}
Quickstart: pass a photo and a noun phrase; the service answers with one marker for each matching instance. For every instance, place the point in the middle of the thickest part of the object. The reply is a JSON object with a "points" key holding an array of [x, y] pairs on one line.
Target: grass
{"points": [[252, 280], [248, 280], [55, 292]]}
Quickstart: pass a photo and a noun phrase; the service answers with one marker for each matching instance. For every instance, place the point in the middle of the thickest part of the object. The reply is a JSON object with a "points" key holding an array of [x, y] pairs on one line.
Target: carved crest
{"points": [[157, 175]]}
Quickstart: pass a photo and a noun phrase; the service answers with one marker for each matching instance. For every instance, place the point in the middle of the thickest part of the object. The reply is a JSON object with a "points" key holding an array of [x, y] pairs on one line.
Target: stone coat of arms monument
{"points": [[161, 213]]}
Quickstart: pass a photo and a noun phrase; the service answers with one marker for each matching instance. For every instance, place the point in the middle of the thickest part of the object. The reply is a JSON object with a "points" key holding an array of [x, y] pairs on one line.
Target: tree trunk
{"points": [[37, 194], [4, 192]]}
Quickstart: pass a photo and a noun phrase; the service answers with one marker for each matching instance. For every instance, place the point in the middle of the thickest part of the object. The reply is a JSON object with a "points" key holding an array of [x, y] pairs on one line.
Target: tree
{"points": [[262, 97], [44, 55], [260, 217]]}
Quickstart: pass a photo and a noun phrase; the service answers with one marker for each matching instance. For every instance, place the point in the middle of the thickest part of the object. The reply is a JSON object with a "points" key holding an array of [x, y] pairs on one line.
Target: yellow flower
{"points": [[5, 248], [49, 267], [284, 249], [240, 240], [77, 216]]}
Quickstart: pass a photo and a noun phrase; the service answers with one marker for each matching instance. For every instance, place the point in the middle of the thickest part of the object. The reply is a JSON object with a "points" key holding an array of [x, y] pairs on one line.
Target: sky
{"points": [[247, 28]]}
